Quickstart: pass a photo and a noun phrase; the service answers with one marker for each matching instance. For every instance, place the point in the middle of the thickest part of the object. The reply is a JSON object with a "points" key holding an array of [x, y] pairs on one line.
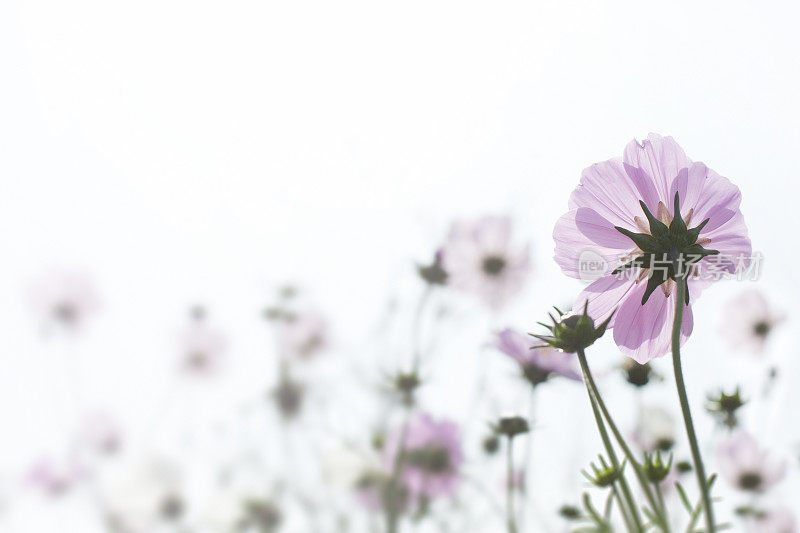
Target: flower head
{"points": [[65, 298], [724, 407], [640, 223], [573, 331], [749, 321], [776, 520], [301, 334], [746, 466], [538, 364], [202, 347], [655, 430], [480, 258], [431, 456]]}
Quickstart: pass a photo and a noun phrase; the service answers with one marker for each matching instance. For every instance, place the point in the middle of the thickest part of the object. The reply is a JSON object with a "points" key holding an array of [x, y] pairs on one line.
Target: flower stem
{"points": [[680, 291], [511, 520], [637, 468], [601, 427]]}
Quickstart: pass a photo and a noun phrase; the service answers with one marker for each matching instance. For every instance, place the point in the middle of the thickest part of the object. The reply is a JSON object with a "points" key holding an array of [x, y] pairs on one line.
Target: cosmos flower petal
{"points": [[657, 160], [719, 201], [584, 230], [604, 297], [606, 188], [644, 332]]}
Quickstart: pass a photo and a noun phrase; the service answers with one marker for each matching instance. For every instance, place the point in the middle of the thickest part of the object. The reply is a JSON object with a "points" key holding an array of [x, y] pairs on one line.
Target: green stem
{"points": [[702, 480], [511, 520], [601, 427], [637, 468]]}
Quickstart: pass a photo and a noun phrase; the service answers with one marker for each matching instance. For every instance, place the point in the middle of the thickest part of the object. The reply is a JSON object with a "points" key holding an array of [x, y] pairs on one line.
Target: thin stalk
{"points": [[702, 480], [637, 468], [511, 520], [622, 510], [601, 427]]}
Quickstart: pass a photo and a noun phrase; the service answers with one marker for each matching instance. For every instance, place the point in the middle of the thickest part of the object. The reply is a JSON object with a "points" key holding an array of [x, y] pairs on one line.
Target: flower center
{"points": [[434, 459], [665, 252], [762, 328], [494, 265], [750, 481]]}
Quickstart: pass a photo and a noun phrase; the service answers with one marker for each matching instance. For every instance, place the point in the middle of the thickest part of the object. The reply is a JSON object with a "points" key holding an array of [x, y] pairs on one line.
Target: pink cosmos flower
{"points": [[538, 364], [54, 478], [746, 466], [100, 434], [65, 298], [431, 457], [777, 520], [748, 321], [622, 229], [480, 259]]}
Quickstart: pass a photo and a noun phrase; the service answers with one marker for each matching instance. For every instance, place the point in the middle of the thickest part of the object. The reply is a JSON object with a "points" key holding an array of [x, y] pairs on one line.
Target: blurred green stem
{"points": [[702, 480]]}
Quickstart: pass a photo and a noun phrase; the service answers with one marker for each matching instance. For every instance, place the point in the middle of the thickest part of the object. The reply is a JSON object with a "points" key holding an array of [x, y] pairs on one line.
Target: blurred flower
{"points": [[202, 347], [746, 466], [538, 364], [511, 426], [288, 396], [611, 221], [100, 434], [777, 520], [655, 430], [748, 321], [431, 456], [301, 334], [53, 477], [144, 498], [480, 259], [378, 491], [635, 373], [65, 298], [434, 273], [724, 407]]}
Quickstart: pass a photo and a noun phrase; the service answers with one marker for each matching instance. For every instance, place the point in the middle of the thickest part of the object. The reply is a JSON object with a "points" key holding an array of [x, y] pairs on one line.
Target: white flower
{"points": [[480, 259], [655, 429], [749, 319], [746, 466], [145, 497]]}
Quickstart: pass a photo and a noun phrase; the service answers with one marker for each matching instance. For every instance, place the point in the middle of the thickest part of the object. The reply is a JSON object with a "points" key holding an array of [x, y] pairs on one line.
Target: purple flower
{"points": [[748, 322], [538, 364], [746, 466], [480, 259], [431, 456], [621, 217], [52, 477], [777, 520]]}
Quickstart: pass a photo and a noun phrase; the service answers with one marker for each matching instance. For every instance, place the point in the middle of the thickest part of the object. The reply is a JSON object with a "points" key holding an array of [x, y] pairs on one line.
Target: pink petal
{"points": [[606, 188], [657, 160], [584, 230], [604, 296], [644, 332]]}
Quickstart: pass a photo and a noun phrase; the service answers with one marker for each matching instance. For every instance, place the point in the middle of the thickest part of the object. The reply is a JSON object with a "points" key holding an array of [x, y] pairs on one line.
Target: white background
{"points": [[189, 152]]}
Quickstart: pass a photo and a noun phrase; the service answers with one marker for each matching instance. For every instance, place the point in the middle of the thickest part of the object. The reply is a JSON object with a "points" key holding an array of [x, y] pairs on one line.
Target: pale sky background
{"points": [[187, 152]]}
